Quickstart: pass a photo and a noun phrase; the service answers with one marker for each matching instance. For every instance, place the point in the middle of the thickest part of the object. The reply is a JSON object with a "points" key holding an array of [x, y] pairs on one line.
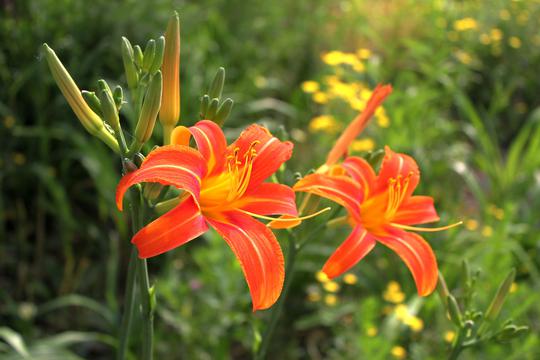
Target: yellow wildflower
{"points": [[416, 324], [402, 312], [523, 17], [449, 336], [331, 299], [320, 97], [514, 42], [333, 57], [465, 24], [464, 57], [496, 34], [350, 279], [487, 231], [363, 145], [321, 277], [371, 331], [399, 352], [324, 123], [513, 287], [310, 86], [331, 286], [382, 119], [363, 53], [314, 297], [471, 224], [504, 14], [485, 39]]}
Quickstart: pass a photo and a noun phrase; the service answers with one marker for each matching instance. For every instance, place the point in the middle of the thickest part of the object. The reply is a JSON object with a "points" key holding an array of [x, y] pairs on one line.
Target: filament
{"points": [[426, 229], [285, 219]]}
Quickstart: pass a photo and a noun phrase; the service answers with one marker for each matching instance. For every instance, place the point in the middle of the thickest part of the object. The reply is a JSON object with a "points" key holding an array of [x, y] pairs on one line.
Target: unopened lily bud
{"points": [[149, 53], [138, 56], [158, 56], [149, 111], [212, 109], [205, 101], [132, 76], [110, 112], [103, 86], [152, 190], [89, 119], [498, 300], [170, 106], [223, 112], [118, 96], [92, 101], [375, 157], [453, 310], [216, 87]]}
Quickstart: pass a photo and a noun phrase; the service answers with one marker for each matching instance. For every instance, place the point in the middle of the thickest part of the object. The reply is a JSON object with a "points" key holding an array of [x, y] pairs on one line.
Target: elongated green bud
{"points": [[453, 310], [212, 109], [498, 300], [89, 119], [110, 112], [375, 157], [138, 56], [132, 76], [158, 56], [92, 101], [205, 101], [118, 95], [170, 107], [149, 54], [223, 112], [149, 111], [216, 88]]}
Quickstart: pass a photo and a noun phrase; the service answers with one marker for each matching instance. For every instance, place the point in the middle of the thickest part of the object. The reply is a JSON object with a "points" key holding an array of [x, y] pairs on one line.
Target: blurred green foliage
{"points": [[465, 105]]}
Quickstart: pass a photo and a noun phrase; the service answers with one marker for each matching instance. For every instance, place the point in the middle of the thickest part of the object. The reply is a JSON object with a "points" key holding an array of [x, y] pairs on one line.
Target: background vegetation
{"points": [[465, 105]]}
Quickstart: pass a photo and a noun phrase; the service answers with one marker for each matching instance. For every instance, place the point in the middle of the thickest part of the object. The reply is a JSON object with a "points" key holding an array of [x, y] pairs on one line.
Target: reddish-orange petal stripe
{"points": [[259, 254], [350, 252], [394, 165], [173, 229], [175, 165], [358, 124], [417, 255], [339, 189], [211, 143], [270, 152], [416, 210], [360, 170], [269, 199]]}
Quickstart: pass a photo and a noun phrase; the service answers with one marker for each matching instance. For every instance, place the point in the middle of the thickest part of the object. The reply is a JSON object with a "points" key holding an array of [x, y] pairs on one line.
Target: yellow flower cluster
{"points": [[402, 313], [393, 293], [324, 123], [465, 24], [398, 352], [363, 145], [330, 287], [354, 60]]}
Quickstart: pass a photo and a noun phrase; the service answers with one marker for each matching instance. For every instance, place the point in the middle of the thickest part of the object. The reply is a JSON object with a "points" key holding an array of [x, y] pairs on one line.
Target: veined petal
{"points": [[340, 189], [361, 171], [417, 255], [175, 165], [211, 143], [259, 254], [174, 228], [416, 210], [358, 124], [394, 165], [269, 199], [270, 152], [350, 252]]}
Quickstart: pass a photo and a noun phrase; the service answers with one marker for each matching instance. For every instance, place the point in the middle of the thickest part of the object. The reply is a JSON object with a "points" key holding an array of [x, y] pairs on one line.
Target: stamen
{"points": [[425, 229], [240, 176], [285, 219]]}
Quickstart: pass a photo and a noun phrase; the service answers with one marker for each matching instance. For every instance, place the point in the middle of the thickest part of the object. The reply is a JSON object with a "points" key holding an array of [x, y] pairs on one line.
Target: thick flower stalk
{"points": [[223, 188]]}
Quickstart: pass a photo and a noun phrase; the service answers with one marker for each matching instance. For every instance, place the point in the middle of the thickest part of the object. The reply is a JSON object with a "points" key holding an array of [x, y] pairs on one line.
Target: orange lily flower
{"points": [[380, 208], [223, 187]]}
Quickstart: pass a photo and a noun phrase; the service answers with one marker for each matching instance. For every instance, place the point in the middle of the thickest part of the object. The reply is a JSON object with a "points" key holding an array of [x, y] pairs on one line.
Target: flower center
{"points": [[397, 190]]}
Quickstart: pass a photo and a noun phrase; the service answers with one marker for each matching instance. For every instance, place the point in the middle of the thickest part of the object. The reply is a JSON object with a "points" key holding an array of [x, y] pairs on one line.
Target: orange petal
{"points": [[360, 170], [350, 252], [417, 255], [416, 210], [175, 165], [259, 254], [358, 124], [269, 199], [271, 152], [394, 165], [173, 229], [340, 189], [180, 136], [211, 143]]}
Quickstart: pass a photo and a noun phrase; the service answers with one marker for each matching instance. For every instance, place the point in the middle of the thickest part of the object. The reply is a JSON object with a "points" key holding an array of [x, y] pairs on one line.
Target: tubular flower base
{"points": [[380, 208], [223, 187]]}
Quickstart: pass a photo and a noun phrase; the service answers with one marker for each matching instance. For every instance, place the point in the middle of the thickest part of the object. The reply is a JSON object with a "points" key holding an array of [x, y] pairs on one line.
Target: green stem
{"points": [[147, 310], [457, 346], [278, 308], [128, 306]]}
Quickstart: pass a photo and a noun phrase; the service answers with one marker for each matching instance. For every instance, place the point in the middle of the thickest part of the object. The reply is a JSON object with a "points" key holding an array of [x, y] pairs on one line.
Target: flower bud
{"points": [[212, 109], [118, 96], [89, 119], [205, 101], [158, 56], [149, 111], [223, 112], [216, 88], [138, 56], [498, 300], [170, 107], [110, 112], [149, 54], [93, 101], [132, 76], [453, 310]]}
